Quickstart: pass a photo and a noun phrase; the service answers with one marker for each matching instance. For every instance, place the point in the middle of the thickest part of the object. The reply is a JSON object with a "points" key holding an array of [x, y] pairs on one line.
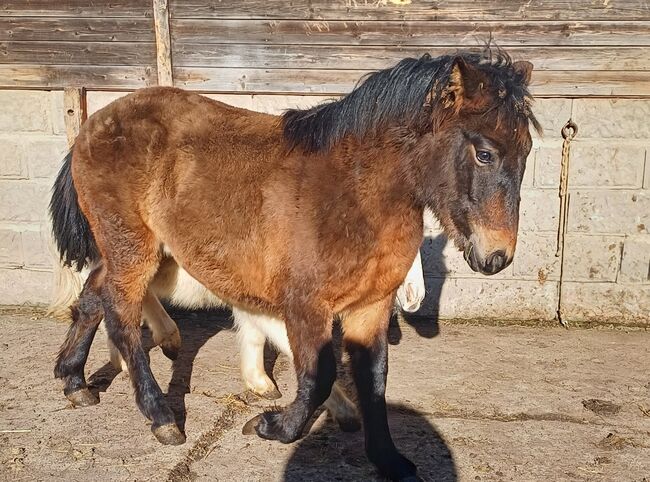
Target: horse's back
{"points": [[178, 169]]}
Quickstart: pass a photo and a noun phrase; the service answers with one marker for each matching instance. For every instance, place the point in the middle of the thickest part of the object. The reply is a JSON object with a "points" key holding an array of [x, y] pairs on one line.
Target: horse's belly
{"points": [[175, 285], [189, 293]]}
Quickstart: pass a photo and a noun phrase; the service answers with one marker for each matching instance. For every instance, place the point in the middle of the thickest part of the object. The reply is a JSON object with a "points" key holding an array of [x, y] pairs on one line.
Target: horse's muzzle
{"points": [[491, 264]]}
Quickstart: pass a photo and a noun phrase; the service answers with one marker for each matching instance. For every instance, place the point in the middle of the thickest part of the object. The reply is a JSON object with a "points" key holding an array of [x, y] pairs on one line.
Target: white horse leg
{"points": [[251, 350], [340, 407], [411, 293], [116, 357], [163, 328]]}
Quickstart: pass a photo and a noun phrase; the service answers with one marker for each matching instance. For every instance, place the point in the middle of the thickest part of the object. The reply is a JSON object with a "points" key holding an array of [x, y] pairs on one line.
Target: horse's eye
{"points": [[483, 157]]}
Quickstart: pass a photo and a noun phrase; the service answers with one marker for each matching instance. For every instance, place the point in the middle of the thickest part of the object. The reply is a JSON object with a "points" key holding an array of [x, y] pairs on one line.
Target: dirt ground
{"points": [[466, 403]]}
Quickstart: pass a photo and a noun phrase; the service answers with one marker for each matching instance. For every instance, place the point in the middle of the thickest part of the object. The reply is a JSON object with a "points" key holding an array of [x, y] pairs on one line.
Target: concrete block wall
{"points": [[607, 258], [33, 142]]}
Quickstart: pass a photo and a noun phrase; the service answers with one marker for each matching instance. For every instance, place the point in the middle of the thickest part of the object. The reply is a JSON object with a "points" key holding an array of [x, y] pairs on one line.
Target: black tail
{"points": [[72, 233]]}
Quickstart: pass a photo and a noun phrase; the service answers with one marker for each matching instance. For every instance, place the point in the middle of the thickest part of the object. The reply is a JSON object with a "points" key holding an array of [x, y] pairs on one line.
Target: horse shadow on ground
{"points": [[330, 454]]}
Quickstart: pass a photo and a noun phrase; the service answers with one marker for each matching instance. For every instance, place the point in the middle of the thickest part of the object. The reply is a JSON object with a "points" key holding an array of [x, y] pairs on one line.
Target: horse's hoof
{"points": [[171, 345], [170, 352], [82, 398], [249, 427], [272, 394], [169, 434], [270, 426], [395, 466], [349, 424], [266, 426]]}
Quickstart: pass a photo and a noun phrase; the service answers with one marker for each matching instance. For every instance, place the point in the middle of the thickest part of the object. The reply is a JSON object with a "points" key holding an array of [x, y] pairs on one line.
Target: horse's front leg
{"points": [[310, 338], [365, 334]]}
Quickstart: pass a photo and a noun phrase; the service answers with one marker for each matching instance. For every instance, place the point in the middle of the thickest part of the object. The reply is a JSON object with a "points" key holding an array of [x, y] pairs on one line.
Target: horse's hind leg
{"points": [[124, 289], [340, 407], [86, 314], [251, 351], [164, 329], [365, 333]]}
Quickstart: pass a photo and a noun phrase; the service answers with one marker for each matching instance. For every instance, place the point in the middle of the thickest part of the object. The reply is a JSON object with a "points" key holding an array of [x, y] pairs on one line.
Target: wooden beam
{"points": [[78, 53], [425, 33], [114, 77], [75, 112], [163, 42], [327, 82], [75, 8], [79, 29], [448, 10], [376, 57]]}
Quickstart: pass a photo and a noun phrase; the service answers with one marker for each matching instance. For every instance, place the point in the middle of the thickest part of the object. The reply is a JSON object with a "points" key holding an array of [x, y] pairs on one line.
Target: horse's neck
{"points": [[391, 162]]}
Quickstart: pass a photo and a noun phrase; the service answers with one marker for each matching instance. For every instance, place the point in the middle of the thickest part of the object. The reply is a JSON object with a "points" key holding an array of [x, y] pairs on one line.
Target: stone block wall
{"points": [[607, 255], [33, 143]]}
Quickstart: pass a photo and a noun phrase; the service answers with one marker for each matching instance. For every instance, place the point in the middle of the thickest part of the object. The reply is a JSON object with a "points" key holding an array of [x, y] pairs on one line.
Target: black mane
{"points": [[399, 94]]}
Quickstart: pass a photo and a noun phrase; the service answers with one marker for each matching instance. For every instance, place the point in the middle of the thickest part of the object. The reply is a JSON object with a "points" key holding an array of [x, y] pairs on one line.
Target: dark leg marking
{"points": [[125, 334], [370, 368], [71, 360], [314, 387]]}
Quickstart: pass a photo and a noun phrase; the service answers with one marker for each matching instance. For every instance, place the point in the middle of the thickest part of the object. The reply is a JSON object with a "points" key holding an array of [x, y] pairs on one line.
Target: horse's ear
{"points": [[465, 82], [524, 69]]}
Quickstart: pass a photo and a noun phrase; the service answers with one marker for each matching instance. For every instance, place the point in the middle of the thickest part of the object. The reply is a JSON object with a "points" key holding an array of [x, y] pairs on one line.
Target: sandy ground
{"points": [[466, 403]]}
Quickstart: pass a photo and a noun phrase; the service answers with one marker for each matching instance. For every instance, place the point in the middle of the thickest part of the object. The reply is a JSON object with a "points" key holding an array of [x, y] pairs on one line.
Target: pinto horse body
{"points": [[306, 217]]}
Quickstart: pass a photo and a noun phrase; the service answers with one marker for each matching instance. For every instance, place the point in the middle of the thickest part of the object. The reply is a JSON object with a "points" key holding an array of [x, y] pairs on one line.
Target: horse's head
{"points": [[479, 147]]}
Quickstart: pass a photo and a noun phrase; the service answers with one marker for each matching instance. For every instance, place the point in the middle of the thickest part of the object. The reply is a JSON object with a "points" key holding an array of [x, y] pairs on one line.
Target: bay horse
{"points": [[175, 286], [313, 215]]}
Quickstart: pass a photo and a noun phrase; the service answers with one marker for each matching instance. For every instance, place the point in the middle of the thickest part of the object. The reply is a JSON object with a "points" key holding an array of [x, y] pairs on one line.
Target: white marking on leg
{"points": [[251, 350], [411, 293]]}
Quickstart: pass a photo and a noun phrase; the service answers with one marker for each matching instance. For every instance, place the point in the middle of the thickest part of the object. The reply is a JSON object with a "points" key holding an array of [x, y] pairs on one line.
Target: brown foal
{"points": [[305, 217]]}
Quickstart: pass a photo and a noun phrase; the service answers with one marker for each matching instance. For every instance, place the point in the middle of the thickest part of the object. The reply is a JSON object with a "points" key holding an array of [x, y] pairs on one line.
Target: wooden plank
{"points": [[420, 33], [89, 53], [75, 8], [334, 82], [415, 10], [76, 29], [295, 81], [163, 42], [75, 111], [60, 76], [371, 58]]}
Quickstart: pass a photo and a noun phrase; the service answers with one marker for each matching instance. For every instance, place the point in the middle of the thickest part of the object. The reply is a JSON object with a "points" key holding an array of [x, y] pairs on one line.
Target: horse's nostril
{"points": [[496, 261], [470, 257]]}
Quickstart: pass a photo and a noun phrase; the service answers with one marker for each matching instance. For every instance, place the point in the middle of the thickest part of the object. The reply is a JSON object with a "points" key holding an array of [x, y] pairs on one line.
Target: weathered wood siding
{"points": [[580, 48]]}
